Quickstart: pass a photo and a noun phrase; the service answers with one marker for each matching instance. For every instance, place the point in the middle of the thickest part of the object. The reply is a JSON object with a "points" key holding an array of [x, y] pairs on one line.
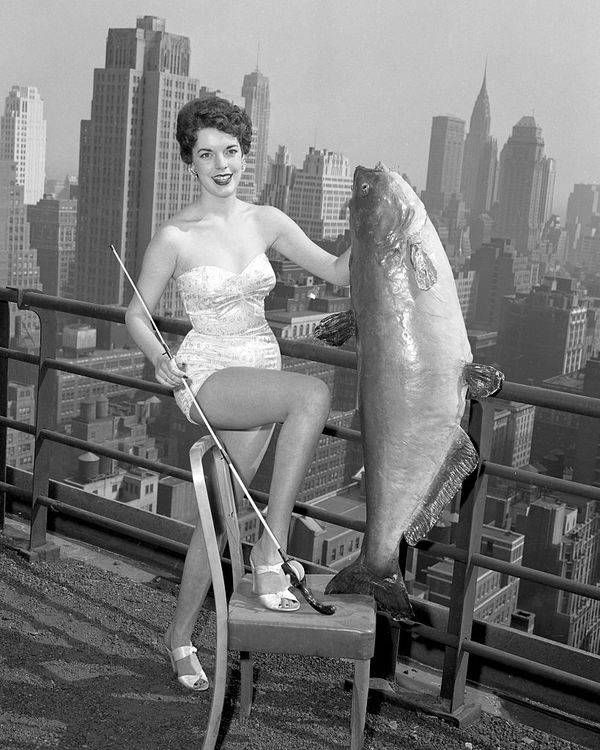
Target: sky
{"points": [[364, 77]]}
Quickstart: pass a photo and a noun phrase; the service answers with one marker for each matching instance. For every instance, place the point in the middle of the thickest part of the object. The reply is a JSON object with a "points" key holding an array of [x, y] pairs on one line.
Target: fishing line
{"points": [[297, 581]]}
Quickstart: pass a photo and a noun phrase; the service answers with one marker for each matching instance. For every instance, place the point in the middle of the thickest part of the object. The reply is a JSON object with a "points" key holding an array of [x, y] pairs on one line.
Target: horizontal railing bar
{"points": [[318, 353], [90, 372], [541, 480], [344, 433], [15, 424], [112, 313], [144, 463], [531, 667], [434, 634], [538, 576], [12, 489], [150, 537], [587, 406], [535, 395], [7, 353]]}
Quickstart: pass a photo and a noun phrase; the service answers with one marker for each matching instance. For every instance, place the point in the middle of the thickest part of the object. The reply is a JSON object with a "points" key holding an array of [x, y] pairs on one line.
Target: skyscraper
{"points": [[18, 260], [480, 158], [542, 334], [278, 189], [130, 172], [53, 227], [23, 139], [321, 193], [444, 167], [257, 103], [525, 187]]}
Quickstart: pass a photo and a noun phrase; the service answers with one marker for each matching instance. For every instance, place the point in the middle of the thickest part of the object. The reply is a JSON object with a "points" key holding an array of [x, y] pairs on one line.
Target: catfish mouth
{"points": [[375, 212]]}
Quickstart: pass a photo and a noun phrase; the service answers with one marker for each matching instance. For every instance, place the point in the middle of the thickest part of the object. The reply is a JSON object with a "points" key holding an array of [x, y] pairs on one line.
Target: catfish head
{"points": [[386, 219], [384, 209]]}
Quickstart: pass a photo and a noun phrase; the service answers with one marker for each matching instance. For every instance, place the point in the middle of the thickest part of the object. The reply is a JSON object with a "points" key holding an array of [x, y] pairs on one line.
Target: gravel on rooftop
{"points": [[81, 667]]}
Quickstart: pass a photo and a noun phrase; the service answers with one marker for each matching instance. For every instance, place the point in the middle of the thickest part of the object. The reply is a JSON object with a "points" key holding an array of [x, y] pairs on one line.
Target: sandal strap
{"points": [[182, 651]]}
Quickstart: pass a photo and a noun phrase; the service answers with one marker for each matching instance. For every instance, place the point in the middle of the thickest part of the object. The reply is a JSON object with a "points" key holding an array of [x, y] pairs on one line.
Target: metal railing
{"points": [[456, 638]]}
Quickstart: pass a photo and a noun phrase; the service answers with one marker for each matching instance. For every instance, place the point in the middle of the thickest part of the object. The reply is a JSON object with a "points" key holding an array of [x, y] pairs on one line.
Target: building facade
{"points": [[478, 177], [53, 229], [525, 186], [320, 195], [131, 177], [257, 103], [23, 139], [543, 333], [444, 165]]}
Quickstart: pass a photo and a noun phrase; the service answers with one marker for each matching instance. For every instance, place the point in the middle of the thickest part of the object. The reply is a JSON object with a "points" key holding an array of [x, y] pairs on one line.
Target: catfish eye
{"points": [[364, 188]]}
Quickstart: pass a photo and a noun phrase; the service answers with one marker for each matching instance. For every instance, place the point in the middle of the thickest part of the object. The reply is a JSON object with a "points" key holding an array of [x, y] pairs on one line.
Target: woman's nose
{"points": [[221, 161]]}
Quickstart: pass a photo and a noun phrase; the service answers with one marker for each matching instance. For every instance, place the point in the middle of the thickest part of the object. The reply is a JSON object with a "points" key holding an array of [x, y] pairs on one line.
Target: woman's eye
{"points": [[232, 151]]}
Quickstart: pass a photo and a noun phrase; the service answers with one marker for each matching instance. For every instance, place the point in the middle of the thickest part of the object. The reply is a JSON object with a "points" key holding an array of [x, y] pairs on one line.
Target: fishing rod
{"points": [[297, 578]]}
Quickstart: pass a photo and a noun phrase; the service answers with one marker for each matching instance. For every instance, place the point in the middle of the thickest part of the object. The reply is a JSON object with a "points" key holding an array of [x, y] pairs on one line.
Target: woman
{"points": [[215, 249]]}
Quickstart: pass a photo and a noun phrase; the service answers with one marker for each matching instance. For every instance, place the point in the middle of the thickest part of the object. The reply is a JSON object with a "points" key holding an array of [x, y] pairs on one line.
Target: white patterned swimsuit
{"points": [[229, 329]]}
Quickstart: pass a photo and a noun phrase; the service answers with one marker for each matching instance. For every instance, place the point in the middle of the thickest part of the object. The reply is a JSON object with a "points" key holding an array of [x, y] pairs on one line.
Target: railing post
{"points": [[45, 418], [5, 342], [468, 538]]}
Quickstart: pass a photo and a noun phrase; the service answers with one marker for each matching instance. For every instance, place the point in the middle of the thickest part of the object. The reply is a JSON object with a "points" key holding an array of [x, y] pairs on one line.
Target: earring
{"points": [[243, 165], [192, 172]]}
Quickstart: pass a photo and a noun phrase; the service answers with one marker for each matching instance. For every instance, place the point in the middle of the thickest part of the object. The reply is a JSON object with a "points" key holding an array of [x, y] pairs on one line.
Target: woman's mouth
{"points": [[222, 179]]}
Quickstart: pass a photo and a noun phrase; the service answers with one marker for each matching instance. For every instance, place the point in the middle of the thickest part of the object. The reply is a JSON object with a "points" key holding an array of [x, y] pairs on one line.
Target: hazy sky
{"points": [[363, 77]]}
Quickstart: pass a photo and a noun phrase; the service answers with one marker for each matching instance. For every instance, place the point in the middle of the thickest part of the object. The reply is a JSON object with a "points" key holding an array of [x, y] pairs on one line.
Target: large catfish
{"points": [[413, 366]]}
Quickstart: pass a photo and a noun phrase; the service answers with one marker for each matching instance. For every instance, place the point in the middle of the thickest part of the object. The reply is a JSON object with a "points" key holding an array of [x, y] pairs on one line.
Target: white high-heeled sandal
{"points": [[273, 600], [198, 681]]}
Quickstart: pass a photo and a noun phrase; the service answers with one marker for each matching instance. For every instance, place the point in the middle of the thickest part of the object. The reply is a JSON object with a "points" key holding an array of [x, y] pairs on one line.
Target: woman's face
{"points": [[217, 159]]}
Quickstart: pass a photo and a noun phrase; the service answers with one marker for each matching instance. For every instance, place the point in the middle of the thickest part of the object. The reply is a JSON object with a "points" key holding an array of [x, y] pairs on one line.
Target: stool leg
{"points": [[360, 693], [246, 682]]}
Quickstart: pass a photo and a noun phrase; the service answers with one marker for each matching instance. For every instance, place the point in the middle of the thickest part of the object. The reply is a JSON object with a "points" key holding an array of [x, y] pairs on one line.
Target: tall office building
{"points": [[499, 271], [547, 191], [281, 181], [562, 536], [131, 176], [542, 334], [18, 260], [444, 167], [480, 158], [321, 193], [257, 103], [23, 139], [525, 186], [53, 226]]}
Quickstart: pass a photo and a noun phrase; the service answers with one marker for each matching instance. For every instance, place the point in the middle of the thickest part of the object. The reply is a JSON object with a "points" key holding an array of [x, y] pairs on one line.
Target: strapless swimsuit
{"points": [[229, 329]]}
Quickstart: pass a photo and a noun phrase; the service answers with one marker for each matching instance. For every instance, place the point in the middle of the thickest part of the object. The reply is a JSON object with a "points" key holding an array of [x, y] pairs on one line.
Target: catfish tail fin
{"points": [[389, 591]]}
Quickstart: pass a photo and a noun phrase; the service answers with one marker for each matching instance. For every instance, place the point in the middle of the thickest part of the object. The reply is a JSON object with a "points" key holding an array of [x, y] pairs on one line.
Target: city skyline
{"points": [[328, 67]]}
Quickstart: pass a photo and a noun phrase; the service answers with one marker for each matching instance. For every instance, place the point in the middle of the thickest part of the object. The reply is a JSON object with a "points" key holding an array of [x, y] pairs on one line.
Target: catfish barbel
{"points": [[414, 363]]}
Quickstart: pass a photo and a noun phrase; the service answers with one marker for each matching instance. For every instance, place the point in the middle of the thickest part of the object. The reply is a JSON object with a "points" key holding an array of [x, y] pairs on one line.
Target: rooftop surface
{"points": [[81, 667]]}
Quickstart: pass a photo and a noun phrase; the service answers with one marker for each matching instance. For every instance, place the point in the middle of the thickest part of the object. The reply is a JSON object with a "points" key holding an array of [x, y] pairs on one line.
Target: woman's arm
{"points": [[157, 268], [289, 240]]}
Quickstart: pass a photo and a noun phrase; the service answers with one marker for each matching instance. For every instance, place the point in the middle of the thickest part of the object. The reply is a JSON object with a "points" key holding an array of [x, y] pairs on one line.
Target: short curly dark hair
{"points": [[211, 112]]}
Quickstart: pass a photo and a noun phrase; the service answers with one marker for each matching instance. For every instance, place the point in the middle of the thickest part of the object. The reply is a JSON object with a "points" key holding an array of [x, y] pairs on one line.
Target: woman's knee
{"points": [[316, 397]]}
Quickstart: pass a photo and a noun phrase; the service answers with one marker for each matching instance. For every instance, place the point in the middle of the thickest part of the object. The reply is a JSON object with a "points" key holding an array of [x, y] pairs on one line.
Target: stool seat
{"points": [[347, 634]]}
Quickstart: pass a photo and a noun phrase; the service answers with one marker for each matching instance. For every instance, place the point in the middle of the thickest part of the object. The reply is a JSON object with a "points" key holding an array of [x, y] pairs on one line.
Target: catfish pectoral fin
{"points": [[482, 380], [425, 273], [461, 460], [389, 591], [337, 328]]}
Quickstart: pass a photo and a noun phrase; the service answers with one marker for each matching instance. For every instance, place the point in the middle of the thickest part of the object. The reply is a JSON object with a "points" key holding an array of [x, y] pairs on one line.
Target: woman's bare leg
{"points": [[239, 398], [246, 449]]}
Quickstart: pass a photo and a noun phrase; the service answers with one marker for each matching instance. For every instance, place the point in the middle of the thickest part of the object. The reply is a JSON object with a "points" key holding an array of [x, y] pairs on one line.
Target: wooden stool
{"points": [[246, 626]]}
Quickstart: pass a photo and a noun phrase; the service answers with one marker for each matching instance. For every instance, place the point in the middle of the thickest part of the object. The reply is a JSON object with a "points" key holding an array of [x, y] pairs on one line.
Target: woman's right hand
{"points": [[167, 372]]}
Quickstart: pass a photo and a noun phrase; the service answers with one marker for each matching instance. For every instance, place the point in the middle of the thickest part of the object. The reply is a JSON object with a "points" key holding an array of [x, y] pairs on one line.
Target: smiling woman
{"points": [[215, 248]]}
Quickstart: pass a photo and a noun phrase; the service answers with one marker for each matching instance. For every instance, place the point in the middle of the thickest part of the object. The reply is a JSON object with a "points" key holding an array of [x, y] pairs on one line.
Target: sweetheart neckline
{"points": [[221, 268]]}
